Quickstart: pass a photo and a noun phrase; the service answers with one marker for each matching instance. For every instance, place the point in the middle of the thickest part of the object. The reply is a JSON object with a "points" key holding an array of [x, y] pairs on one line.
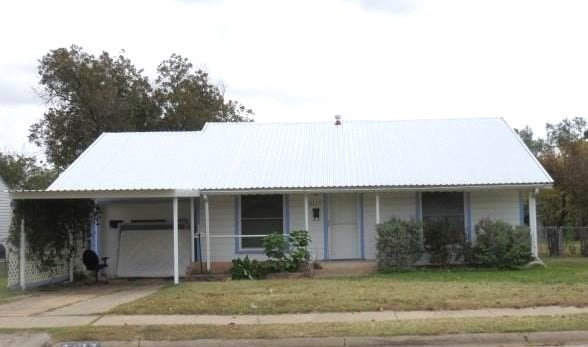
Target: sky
{"points": [[524, 60]]}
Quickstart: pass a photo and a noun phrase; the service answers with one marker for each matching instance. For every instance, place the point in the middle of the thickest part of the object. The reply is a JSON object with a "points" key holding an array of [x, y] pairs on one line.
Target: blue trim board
{"points": [[361, 225], [468, 215], [521, 209], [286, 209], [325, 226], [237, 221], [419, 206]]}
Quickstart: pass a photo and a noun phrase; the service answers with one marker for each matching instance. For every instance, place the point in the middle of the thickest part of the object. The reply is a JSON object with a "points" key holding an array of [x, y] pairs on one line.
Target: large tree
{"points": [[564, 154], [87, 95], [188, 99]]}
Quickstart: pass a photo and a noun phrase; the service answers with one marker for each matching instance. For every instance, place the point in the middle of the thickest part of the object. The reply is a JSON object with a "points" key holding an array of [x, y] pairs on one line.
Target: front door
{"points": [[343, 227]]}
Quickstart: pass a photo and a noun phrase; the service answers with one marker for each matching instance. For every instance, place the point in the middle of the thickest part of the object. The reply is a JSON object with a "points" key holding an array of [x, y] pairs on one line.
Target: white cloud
{"points": [[307, 60]]}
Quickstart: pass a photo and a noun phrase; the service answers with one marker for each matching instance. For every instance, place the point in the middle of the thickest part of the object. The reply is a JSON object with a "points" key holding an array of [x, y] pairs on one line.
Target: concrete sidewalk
{"points": [[342, 317]]}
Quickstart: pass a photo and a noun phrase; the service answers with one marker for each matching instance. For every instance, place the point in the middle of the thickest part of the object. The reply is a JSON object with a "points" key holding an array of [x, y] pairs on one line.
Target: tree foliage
{"points": [[87, 95], [564, 154], [21, 172]]}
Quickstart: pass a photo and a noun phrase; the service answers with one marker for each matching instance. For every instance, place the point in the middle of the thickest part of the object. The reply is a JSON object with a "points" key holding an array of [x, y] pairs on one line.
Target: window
{"points": [[2, 252], [260, 215], [444, 211]]}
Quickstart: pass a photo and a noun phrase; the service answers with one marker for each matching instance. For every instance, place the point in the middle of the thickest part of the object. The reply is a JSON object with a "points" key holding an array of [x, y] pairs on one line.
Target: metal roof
{"points": [[356, 154]]}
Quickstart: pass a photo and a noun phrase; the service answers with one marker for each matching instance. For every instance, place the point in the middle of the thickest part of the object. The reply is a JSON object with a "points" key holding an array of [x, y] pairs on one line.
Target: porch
{"points": [[174, 233]]}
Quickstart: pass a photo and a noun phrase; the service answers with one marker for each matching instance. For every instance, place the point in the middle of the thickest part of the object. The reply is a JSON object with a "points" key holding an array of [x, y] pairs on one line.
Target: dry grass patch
{"points": [[563, 283]]}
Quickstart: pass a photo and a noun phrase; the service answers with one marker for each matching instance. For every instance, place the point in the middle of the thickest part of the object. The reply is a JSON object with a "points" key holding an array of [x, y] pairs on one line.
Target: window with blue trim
{"points": [[260, 215], [444, 212]]}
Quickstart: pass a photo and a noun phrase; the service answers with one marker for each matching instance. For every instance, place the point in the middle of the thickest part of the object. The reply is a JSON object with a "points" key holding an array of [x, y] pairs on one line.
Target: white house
{"points": [[5, 217], [167, 199]]}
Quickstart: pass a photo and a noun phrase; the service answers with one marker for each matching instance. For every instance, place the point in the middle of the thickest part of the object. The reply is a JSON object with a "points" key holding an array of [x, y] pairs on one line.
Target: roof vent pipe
{"points": [[337, 120]]}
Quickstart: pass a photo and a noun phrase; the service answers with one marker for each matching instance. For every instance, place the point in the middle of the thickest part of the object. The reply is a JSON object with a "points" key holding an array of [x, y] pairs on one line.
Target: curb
{"points": [[543, 338]]}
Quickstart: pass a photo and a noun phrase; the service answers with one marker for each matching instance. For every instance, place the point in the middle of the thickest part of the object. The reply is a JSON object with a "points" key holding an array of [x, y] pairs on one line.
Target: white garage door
{"points": [[149, 253]]}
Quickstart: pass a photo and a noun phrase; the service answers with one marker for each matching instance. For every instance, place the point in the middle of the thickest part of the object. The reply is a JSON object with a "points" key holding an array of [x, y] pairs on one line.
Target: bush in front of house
{"points": [[247, 269], [500, 245], [443, 242], [399, 244], [284, 252]]}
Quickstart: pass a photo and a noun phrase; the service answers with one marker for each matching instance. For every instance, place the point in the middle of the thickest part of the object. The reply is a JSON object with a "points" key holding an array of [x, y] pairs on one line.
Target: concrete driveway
{"points": [[74, 305]]}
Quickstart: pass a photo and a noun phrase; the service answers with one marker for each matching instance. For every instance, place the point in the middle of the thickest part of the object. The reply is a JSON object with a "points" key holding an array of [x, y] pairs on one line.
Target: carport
{"points": [[170, 195]]}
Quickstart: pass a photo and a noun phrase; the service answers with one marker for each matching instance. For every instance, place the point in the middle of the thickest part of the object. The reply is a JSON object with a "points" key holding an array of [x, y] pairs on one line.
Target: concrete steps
{"points": [[345, 268]]}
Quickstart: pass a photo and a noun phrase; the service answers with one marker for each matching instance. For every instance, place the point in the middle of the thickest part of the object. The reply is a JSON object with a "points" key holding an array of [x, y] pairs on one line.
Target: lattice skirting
{"points": [[33, 275]]}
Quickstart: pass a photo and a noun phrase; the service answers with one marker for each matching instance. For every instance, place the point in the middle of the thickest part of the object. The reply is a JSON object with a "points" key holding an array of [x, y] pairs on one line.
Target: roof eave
{"points": [[315, 190], [102, 194]]}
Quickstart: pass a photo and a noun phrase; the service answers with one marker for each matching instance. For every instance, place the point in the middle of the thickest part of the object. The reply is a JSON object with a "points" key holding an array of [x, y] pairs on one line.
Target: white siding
{"points": [[222, 223], [316, 227], [397, 204], [5, 212], [495, 204]]}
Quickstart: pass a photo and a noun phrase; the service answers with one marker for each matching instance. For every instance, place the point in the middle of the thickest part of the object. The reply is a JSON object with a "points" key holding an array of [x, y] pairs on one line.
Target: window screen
{"points": [[444, 211], [260, 215]]}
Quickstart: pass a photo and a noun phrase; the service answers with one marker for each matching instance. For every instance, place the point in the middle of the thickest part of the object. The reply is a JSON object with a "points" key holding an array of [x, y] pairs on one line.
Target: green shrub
{"points": [[246, 268], [275, 247], [299, 253], [499, 244], [286, 252], [443, 242], [399, 244]]}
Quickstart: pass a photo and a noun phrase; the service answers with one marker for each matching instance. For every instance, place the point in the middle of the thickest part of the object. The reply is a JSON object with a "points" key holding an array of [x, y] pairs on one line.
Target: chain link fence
{"points": [[563, 241]]}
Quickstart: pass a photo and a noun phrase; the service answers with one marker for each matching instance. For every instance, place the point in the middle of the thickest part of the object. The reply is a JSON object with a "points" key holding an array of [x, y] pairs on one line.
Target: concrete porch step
{"points": [[197, 268], [208, 277], [344, 268]]}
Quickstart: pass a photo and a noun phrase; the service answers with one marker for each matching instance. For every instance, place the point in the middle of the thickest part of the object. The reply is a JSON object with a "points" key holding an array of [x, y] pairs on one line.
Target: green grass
{"points": [[415, 327], [564, 282]]}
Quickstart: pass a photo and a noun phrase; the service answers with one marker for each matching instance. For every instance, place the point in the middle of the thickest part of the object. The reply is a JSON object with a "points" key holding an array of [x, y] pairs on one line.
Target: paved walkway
{"points": [[56, 320], [72, 306]]}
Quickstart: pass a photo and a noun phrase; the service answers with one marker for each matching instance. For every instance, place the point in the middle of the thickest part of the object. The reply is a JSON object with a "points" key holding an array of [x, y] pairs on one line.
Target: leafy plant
{"points": [[55, 229], [286, 252], [299, 253], [247, 269], [443, 242], [499, 244], [399, 244]]}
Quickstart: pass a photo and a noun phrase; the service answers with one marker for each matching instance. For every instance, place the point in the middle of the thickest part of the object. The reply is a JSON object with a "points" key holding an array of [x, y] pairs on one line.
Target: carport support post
{"points": [[23, 259], [192, 228], [306, 226], [533, 224], [71, 257], [176, 261], [377, 208], [207, 231]]}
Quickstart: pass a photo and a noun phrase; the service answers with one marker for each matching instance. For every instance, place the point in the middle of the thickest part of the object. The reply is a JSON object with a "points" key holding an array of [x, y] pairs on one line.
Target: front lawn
{"points": [[564, 282]]}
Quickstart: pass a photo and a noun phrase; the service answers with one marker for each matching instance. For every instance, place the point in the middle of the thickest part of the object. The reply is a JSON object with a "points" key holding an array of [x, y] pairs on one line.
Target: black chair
{"points": [[92, 263]]}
